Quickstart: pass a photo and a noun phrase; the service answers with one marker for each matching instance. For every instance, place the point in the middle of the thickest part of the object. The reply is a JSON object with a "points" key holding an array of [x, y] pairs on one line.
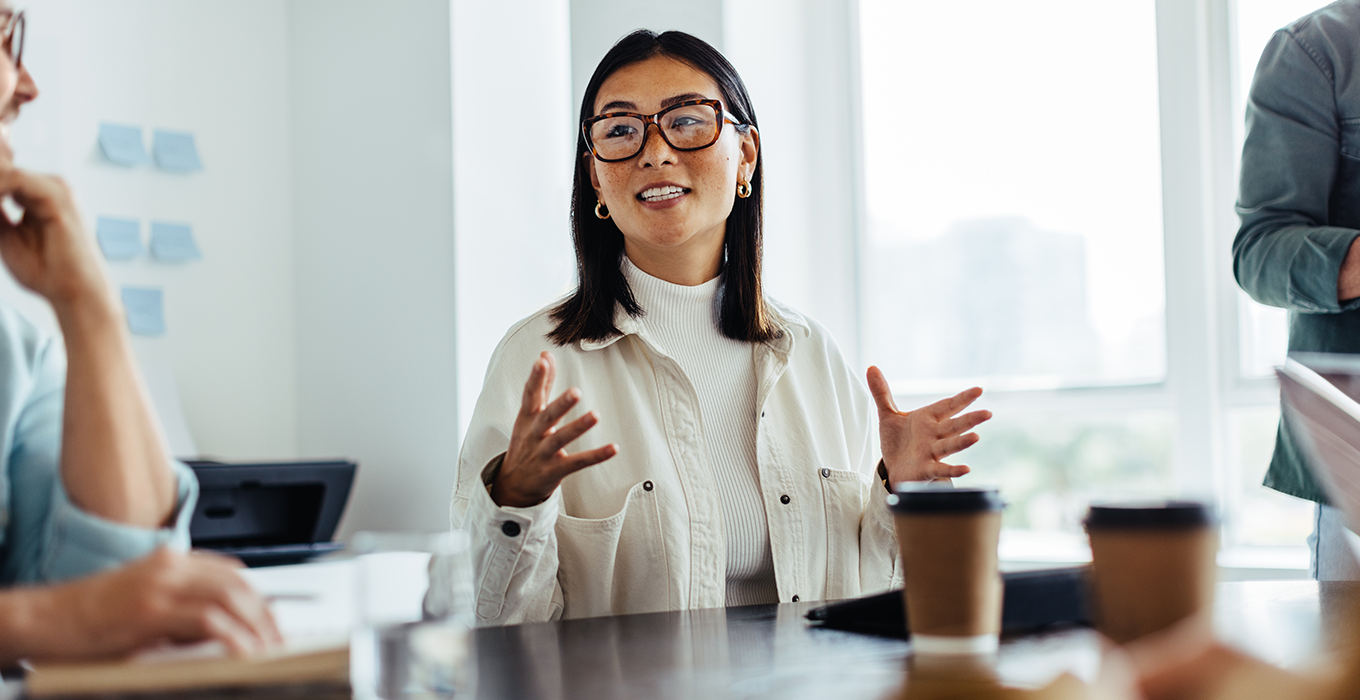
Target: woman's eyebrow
{"points": [[681, 98], [677, 99]]}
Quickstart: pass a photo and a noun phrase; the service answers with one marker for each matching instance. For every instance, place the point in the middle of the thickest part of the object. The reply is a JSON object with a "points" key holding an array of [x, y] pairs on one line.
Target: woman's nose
{"points": [[655, 150]]}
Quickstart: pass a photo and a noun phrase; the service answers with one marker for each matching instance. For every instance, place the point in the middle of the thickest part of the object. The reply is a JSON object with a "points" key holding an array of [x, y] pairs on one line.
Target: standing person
{"points": [[1300, 209], [729, 455], [86, 483]]}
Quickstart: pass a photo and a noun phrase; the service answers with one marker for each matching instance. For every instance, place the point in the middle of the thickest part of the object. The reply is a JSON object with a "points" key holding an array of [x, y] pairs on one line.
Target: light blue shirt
{"points": [[45, 537]]}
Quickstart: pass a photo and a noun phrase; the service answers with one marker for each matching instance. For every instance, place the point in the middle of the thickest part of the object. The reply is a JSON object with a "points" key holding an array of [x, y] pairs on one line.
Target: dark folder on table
{"points": [[1031, 600]]}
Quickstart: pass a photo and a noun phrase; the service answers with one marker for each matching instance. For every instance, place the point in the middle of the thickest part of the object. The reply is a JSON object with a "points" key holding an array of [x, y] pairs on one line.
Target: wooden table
{"points": [[771, 651]]}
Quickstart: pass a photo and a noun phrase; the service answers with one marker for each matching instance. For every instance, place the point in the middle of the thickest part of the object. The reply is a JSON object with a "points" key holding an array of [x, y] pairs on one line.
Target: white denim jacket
{"points": [[643, 531]]}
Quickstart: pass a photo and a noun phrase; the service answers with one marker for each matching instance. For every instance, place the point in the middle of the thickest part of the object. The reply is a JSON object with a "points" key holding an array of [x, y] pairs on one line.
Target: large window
{"points": [[1016, 237], [1013, 193]]}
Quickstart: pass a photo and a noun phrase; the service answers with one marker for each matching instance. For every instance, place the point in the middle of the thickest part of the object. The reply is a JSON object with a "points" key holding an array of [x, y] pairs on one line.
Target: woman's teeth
{"points": [[659, 194]]}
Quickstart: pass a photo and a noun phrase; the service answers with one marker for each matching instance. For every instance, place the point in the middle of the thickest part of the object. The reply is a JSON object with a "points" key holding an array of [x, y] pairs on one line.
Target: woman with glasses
{"points": [[713, 449], [95, 513]]}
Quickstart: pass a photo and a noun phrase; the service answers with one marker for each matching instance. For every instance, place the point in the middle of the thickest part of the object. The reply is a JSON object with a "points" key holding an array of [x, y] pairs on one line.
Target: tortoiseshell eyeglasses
{"points": [[687, 126], [12, 29]]}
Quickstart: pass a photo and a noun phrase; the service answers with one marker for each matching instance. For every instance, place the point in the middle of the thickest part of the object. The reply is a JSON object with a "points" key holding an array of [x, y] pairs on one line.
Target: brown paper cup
{"points": [[1153, 566], [948, 539]]}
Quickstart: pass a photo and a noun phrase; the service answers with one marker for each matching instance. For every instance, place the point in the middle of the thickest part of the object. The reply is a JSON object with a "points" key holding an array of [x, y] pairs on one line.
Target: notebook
{"points": [[1320, 398]]}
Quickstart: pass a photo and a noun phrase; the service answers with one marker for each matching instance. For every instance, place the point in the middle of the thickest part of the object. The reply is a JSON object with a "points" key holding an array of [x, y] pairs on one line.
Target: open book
{"points": [[1320, 397], [313, 606]]}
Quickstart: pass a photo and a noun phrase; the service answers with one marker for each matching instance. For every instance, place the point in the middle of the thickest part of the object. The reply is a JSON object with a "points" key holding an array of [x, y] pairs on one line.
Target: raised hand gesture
{"points": [[537, 460], [914, 442]]}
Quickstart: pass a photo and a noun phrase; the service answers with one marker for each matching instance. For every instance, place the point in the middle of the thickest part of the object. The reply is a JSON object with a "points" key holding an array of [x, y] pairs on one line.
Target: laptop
{"points": [[1320, 398], [270, 513]]}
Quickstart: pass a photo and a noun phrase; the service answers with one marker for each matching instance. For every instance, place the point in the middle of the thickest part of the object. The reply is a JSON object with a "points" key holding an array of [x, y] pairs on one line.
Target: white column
{"points": [[514, 137], [1192, 250], [373, 215]]}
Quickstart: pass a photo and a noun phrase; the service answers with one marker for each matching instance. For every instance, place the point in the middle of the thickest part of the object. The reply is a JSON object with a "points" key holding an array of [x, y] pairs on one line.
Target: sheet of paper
{"points": [[310, 602], [175, 150], [145, 310], [160, 382], [122, 144], [119, 239], [173, 242]]}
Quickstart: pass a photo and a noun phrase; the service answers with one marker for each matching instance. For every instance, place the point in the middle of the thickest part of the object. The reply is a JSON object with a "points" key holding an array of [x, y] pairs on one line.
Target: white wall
{"points": [[372, 179], [513, 145], [215, 69]]}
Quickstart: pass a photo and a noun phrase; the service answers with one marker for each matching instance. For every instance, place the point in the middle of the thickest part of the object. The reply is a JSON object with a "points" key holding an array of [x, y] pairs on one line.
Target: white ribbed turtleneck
{"points": [[683, 322]]}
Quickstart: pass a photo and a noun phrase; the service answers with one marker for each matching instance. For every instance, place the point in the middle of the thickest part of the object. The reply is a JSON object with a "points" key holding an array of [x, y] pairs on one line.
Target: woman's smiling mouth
{"points": [[662, 193]]}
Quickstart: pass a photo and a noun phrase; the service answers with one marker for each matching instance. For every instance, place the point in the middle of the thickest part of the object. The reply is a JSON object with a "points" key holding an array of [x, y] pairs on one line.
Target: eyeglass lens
{"points": [[687, 128], [14, 38]]}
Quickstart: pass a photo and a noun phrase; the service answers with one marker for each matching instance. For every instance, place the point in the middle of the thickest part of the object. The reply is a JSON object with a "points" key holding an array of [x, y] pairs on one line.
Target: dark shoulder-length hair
{"points": [[588, 314]]}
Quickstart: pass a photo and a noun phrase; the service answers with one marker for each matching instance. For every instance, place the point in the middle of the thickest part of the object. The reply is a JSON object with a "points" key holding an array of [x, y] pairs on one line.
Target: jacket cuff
{"points": [[504, 532], [508, 526], [82, 543]]}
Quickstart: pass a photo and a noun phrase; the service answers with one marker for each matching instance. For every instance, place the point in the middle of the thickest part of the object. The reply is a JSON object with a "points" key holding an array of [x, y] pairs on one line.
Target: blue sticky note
{"points": [[120, 239], [145, 310], [123, 144], [175, 150], [173, 242]]}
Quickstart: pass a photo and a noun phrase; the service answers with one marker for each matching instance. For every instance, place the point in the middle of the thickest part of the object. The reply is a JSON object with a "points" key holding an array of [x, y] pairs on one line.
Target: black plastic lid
{"points": [[1150, 514], [945, 500]]}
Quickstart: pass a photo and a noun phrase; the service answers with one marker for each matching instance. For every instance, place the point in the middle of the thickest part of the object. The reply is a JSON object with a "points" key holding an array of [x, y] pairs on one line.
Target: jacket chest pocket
{"points": [[843, 494], [1343, 208], [614, 565]]}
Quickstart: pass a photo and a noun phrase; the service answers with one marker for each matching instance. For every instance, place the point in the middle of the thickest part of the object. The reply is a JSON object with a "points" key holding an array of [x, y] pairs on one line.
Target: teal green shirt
{"points": [[45, 537], [1299, 196]]}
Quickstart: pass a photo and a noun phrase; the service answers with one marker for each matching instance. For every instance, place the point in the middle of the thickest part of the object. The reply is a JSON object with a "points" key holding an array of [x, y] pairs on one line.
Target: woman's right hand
{"points": [[537, 460], [165, 596]]}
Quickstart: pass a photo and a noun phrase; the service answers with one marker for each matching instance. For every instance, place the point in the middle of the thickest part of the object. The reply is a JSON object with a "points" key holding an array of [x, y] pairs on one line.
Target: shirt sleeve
{"points": [[1285, 254], [514, 550], [79, 543], [514, 555], [48, 537]]}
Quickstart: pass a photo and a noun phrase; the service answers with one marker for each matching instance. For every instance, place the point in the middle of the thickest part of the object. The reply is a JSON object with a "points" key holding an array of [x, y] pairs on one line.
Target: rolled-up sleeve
{"points": [[49, 538], [1285, 253], [78, 543]]}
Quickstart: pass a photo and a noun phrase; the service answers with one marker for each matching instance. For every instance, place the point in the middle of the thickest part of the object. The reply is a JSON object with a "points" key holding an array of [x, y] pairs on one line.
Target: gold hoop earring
{"points": [[743, 189], [601, 211]]}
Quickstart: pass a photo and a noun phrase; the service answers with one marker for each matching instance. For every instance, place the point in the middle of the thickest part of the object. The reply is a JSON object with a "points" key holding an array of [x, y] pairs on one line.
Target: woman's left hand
{"points": [[914, 442]]}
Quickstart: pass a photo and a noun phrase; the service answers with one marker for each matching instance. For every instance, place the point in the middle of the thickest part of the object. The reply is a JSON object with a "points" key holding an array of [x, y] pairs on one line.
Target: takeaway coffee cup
{"points": [[1153, 565], [953, 586]]}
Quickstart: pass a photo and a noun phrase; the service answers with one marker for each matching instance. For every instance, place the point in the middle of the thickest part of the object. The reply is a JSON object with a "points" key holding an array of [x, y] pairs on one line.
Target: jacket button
{"points": [[784, 499], [826, 473], [510, 528], [795, 599], [762, 414], [647, 486]]}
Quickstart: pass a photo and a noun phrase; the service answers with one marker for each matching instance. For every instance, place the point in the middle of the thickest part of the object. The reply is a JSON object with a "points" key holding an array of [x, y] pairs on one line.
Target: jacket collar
{"points": [[789, 322]]}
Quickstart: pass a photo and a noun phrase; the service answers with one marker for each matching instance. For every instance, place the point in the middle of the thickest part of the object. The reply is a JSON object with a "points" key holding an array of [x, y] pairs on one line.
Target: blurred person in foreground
{"points": [[1299, 201], [94, 512]]}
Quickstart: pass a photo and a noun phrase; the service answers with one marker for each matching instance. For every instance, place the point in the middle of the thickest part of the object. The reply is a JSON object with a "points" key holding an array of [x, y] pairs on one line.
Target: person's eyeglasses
{"points": [[688, 126], [12, 29]]}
